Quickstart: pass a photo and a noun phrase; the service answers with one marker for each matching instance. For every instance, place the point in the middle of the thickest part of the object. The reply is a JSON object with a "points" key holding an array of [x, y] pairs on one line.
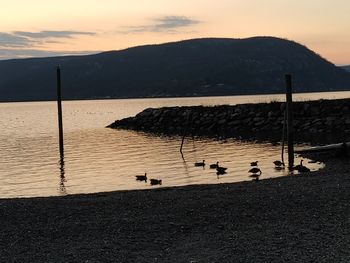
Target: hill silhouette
{"points": [[196, 67]]}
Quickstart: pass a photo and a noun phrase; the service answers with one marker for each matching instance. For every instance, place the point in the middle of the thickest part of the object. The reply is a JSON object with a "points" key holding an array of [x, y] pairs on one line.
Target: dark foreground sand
{"points": [[292, 219]]}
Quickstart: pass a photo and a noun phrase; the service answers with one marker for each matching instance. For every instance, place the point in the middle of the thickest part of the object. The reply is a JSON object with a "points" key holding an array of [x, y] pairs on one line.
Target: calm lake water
{"points": [[100, 159]]}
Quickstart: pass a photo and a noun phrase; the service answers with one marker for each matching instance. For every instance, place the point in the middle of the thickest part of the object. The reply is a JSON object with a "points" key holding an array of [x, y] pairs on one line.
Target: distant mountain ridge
{"points": [[197, 67]]}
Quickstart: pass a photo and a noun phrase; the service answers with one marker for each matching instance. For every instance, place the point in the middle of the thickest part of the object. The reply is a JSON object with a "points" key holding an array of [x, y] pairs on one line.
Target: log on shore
{"points": [[331, 147]]}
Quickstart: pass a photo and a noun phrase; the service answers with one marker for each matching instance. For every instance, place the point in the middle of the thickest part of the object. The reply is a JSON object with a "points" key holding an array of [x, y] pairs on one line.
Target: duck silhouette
{"points": [[254, 163], [155, 181], [214, 165], [255, 170], [220, 170], [141, 177], [279, 168], [301, 168], [278, 163], [200, 163]]}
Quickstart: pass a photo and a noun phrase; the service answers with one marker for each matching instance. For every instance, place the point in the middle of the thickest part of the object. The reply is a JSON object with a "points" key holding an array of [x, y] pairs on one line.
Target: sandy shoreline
{"points": [[290, 219]]}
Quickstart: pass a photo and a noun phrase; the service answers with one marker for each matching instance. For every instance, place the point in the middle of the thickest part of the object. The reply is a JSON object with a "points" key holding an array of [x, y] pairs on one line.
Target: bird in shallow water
{"points": [[255, 170], [155, 181], [301, 168], [141, 177], [278, 163], [200, 163], [220, 170], [254, 163], [214, 165], [255, 176]]}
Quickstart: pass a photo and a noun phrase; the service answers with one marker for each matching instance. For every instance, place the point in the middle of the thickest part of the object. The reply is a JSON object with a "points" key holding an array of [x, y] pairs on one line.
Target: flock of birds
{"points": [[219, 169], [255, 172], [152, 181]]}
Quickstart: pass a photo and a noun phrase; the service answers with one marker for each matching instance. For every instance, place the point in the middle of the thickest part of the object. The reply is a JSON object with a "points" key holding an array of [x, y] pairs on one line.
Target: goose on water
{"points": [[255, 170], [301, 168], [296, 167], [155, 181], [279, 168], [278, 163], [200, 163], [141, 177], [214, 165], [254, 163], [220, 170], [220, 173]]}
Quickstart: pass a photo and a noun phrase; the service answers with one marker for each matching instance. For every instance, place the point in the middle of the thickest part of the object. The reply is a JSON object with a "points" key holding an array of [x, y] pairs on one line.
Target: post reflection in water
{"points": [[97, 159], [185, 165], [62, 188]]}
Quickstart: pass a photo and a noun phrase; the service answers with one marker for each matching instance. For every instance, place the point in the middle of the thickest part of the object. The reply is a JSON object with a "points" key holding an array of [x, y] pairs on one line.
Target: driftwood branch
{"points": [[330, 147]]}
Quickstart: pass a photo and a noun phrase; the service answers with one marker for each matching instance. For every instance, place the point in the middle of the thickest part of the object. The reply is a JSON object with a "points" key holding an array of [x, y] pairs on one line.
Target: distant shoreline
{"points": [[168, 97]]}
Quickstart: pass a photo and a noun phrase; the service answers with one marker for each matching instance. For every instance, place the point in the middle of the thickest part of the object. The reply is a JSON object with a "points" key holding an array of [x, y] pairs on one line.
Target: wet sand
{"points": [[300, 218]]}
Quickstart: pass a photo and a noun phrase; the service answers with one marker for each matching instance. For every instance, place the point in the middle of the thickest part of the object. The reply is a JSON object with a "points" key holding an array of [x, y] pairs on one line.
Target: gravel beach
{"points": [[299, 218]]}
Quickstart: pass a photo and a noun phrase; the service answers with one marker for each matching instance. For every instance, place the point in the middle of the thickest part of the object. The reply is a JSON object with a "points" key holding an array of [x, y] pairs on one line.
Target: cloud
{"points": [[23, 44], [11, 40], [29, 39], [52, 34], [168, 24], [28, 53], [171, 22]]}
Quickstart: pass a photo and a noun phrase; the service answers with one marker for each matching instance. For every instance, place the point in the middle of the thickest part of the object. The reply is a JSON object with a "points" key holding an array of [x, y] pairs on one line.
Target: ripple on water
{"points": [[100, 159], [106, 160]]}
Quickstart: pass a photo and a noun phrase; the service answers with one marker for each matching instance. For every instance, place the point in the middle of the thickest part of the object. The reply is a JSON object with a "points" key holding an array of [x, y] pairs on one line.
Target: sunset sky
{"points": [[46, 28]]}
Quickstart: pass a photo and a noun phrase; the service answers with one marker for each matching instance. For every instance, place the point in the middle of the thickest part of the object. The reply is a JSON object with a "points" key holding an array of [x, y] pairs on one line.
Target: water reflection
{"points": [[185, 165], [106, 160], [62, 187], [98, 159]]}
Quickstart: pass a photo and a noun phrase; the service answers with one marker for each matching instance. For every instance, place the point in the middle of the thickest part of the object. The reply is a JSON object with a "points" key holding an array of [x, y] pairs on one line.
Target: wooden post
{"points": [[290, 128], [59, 108], [283, 135], [185, 130], [62, 177]]}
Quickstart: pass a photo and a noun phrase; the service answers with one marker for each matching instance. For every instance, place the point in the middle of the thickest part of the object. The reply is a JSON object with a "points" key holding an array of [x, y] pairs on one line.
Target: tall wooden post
{"points": [[283, 135], [59, 108], [290, 128], [185, 130]]}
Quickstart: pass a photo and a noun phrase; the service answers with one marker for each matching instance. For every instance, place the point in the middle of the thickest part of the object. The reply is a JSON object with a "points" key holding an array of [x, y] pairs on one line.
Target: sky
{"points": [[40, 28]]}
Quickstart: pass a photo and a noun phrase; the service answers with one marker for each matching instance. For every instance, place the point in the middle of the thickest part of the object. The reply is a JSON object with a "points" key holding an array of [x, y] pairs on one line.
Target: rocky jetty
{"points": [[321, 120]]}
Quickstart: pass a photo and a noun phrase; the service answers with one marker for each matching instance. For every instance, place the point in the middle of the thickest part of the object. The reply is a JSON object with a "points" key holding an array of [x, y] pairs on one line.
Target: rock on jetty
{"points": [[325, 119]]}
